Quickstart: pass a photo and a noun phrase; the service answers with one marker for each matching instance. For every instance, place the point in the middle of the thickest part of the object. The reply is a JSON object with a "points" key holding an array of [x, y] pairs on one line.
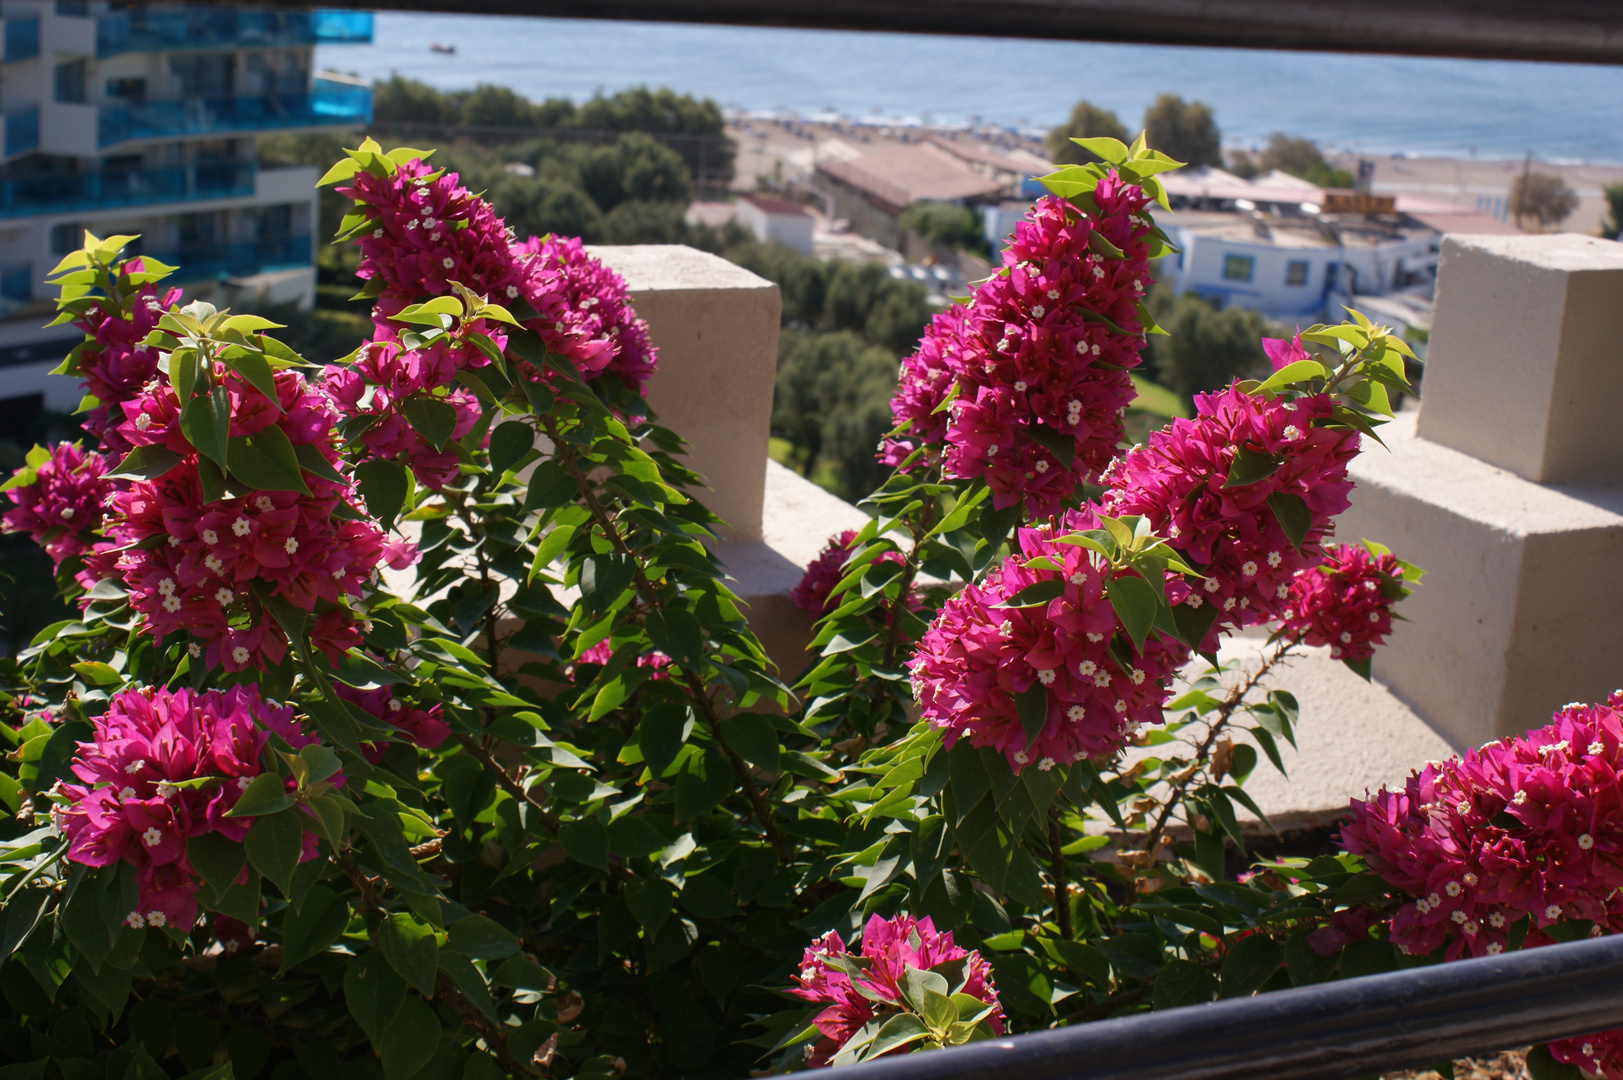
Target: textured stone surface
{"points": [[1522, 604], [798, 520], [716, 325], [1352, 736], [1524, 368]]}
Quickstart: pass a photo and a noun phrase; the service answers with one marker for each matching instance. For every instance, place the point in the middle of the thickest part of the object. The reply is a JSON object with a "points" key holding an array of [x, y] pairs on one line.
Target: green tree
{"points": [[945, 224], [1184, 130], [1612, 225], [635, 167], [1301, 157], [888, 311], [1208, 347], [642, 221], [1087, 121], [665, 112], [832, 404], [1543, 197], [399, 100], [496, 106]]}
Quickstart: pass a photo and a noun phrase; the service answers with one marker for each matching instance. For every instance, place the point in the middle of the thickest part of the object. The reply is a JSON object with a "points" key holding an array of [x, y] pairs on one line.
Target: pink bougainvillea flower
{"points": [[133, 803], [62, 508], [890, 947], [1039, 357], [1345, 602], [1233, 535], [1529, 827], [824, 572], [978, 656]]}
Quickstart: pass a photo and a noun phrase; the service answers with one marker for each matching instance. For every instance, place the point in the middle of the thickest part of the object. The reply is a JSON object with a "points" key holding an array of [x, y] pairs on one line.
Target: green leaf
{"points": [[1359, 667], [676, 632], [753, 738], [218, 859], [1032, 706], [206, 423], [586, 841], [373, 992], [897, 1032], [411, 949], [383, 486], [433, 419], [97, 673], [1300, 371], [1293, 516], [509, 442], [1106, 149], [550, 486], [470, 981], [145, 463], [311, 929], [480, 938], [650, 903], [266, 794], [1249, 963], [1183, 983], [1136, 603], [253, 367], [660, 736], [1305, 965], [265, 461], [274, 845], [1248, 467], [410, 1040], [1541, 1066], [1036, 594]]}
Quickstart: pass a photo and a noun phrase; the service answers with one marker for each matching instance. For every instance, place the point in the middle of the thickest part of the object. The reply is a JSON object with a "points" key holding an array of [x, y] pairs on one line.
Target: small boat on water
{"points": [[441, 47]]}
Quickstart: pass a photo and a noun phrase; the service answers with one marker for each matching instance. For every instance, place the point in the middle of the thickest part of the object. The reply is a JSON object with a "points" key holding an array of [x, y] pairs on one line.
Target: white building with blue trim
{"points": [[142, 119]]}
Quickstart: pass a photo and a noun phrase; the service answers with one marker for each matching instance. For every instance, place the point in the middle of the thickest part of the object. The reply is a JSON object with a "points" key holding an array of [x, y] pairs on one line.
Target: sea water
{"points": [[1372, 104]]}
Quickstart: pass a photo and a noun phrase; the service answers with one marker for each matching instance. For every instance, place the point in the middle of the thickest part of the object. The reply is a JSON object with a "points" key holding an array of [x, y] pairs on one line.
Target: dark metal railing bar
{"points": [[1334, 1031]]}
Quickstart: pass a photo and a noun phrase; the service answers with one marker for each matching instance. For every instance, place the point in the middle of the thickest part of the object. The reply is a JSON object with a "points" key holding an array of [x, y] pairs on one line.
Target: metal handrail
{"points": [[1333, 1031]]}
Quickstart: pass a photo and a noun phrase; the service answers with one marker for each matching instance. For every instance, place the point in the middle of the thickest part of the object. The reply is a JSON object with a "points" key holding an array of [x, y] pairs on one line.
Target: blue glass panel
{"points": [[329, 103], [126, 187], [22, 132], [201, 27], [22, 38], [198, 261], [17, 281]]}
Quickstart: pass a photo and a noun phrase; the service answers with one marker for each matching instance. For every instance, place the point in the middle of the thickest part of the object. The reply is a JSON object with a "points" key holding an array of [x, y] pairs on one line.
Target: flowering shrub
{"points": [[1346, 601], [912, 988], [408, 726]]}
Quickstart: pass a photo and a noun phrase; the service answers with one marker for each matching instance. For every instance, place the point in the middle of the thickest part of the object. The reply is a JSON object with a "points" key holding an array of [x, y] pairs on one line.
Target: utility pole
{"points": [[1521, 196]]}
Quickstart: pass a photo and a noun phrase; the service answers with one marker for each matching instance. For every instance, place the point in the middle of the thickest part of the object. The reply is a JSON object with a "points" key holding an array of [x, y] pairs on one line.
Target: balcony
{"points": [[125, 187], [213, 260], [330, 103], [22, 131], [22, 39], [224, 28]]}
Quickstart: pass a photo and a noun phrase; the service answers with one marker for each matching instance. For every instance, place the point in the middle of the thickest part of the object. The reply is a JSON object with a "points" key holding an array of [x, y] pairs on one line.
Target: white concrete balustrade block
{"points": [[1522, 603], [716, 326], [798, 519], [1525, 364], [1352, 737]]}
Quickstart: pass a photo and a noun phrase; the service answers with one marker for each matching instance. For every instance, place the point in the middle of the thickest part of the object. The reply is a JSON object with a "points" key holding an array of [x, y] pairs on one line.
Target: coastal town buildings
{"points": [[1290, 249], [776, 221], [141, 119]]}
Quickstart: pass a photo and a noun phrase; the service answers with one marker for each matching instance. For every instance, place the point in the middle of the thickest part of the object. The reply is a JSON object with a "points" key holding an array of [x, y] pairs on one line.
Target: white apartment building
{"points": [[142, 119]]}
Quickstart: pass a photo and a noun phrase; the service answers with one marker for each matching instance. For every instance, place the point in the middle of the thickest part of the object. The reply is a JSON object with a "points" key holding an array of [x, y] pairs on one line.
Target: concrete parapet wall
{"points": [[1525, 364], [716, 326], [1520, 609]]}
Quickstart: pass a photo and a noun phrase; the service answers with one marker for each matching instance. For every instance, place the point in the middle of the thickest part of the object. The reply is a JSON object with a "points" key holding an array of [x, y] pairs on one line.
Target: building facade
{"points": [[142, 119]]}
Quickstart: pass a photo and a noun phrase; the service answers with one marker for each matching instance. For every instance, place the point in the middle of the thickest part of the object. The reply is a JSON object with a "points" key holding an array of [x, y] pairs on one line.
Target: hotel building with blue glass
{"points": [[142, 118]]}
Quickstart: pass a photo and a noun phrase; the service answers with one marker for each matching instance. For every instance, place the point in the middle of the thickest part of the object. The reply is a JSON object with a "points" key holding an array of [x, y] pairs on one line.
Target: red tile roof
{"points": [[903, 175]]}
